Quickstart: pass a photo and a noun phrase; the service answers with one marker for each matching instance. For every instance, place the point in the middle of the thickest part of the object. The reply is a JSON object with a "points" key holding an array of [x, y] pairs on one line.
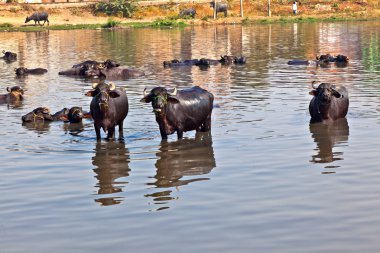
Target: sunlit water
{"points": [[263, 180]]}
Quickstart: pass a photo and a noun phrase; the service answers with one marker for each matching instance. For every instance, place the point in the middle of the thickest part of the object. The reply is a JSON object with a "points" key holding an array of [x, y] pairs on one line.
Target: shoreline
{"points": [[71, 16]]}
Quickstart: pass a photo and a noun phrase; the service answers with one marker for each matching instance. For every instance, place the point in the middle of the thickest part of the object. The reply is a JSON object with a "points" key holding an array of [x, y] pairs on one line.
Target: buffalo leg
{"points": [[111, 133], [121, 133], [97, 131], [179, 134], [206, 126]]}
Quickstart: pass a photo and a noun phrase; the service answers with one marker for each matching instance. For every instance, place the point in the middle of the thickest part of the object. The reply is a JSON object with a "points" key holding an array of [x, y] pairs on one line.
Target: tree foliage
{"points": [[123, 8]]}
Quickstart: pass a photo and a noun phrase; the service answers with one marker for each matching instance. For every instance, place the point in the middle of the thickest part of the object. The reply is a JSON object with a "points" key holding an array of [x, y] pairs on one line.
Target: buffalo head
{"points": [[38, 114], [21, 71], [75, 114], [324, 92], [160, 97], [101, 93], [16, 92]]}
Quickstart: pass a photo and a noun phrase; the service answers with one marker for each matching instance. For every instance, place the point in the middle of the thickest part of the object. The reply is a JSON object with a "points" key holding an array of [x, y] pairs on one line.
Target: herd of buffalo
{"points": [[175, 110]]}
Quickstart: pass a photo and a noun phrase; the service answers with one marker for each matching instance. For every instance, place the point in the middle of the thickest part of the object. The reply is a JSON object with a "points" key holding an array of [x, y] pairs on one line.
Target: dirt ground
{"points": [[81, 13]]}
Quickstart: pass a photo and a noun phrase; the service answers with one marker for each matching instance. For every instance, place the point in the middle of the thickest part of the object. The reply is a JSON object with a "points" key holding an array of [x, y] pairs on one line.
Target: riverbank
{"points": [[81, 15]]}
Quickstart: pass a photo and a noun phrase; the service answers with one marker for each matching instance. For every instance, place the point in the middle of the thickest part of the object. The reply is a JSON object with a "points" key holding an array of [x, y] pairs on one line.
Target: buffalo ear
{"points": [[113, 94], [146, 99], [173, 100], [336, 94], [90, 93], [313, 92]]}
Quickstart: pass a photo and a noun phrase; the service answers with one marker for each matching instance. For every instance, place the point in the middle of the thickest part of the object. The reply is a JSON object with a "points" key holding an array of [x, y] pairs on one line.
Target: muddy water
{"points": [[263, 180]]}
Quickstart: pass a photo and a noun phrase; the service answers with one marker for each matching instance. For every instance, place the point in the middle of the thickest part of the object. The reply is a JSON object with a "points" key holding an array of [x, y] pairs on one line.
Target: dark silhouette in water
{"points": [[191, 158], [327, 136], [111, 161]]}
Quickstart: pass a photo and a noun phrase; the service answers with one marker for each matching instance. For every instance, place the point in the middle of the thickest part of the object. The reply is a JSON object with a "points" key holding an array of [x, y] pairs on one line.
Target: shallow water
{"points": [[263, 180]]}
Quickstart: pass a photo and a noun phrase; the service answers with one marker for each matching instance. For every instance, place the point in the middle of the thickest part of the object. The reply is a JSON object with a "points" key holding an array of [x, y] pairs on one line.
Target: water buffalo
{"points": [[229, 59], [37, 17], [82, 71], [73, 115], [181, 111], [299, 62], [116, 73], [220, 7], [109, 107], [15, 94], [24, 71], [38, 114], [188, 12], [9, 56], [177, 63], [329, 103]]}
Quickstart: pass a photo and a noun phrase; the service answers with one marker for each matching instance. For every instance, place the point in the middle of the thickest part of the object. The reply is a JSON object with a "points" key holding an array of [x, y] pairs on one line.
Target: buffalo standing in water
{"points": [[329, 103], [181, 111], [109, 107]]}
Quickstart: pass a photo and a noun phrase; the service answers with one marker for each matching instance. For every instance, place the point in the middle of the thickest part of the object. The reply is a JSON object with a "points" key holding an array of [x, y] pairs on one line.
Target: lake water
{"points": [[263, 180]]}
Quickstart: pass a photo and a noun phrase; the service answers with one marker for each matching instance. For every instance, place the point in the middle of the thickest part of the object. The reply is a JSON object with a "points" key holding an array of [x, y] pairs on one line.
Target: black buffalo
{"points": [[15, 94], [37, 17], [329, 103], [9, 56], [25, 71], [109, 107], [73, 115], [181, 111], [220, 7], [38, 114], [188, 12]]}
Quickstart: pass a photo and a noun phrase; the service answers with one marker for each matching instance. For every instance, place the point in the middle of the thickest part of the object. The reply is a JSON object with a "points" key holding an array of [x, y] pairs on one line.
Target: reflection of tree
{"points": [[326, 136], [371, 55], [185, 157], [111, 160]]}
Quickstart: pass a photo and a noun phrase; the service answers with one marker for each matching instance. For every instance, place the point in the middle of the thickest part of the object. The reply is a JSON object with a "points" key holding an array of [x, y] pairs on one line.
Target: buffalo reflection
{"points": [[185, 157], [111, 160], [38, 126], [326, 136]]}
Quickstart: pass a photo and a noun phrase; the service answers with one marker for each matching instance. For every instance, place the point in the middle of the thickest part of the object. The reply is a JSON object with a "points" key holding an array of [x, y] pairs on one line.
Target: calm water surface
{"points": [[263, 180]]}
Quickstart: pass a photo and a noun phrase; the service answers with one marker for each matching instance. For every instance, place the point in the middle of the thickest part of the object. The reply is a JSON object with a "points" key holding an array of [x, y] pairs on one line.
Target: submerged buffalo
{"points": [[15, 94], [181, 111], [116, 73], [205, 62], [25, 71], [329, 103], [109, 107], [9, 56], [38, 114], [37, 17]]}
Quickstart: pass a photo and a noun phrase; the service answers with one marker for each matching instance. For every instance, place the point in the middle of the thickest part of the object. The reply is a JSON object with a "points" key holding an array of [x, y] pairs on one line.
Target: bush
{"points": [[110, 23], [123, 8]]}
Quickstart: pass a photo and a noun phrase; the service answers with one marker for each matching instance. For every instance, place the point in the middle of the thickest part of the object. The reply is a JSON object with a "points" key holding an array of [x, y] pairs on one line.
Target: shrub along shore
{"points": [[97, 16]]}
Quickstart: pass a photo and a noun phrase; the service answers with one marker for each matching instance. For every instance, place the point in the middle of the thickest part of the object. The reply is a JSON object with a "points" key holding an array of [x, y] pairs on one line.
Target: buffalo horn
{"points": [[94, 85], [313, 83], [145, 93], [173, 93], [9, 90], [112, 86]]}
